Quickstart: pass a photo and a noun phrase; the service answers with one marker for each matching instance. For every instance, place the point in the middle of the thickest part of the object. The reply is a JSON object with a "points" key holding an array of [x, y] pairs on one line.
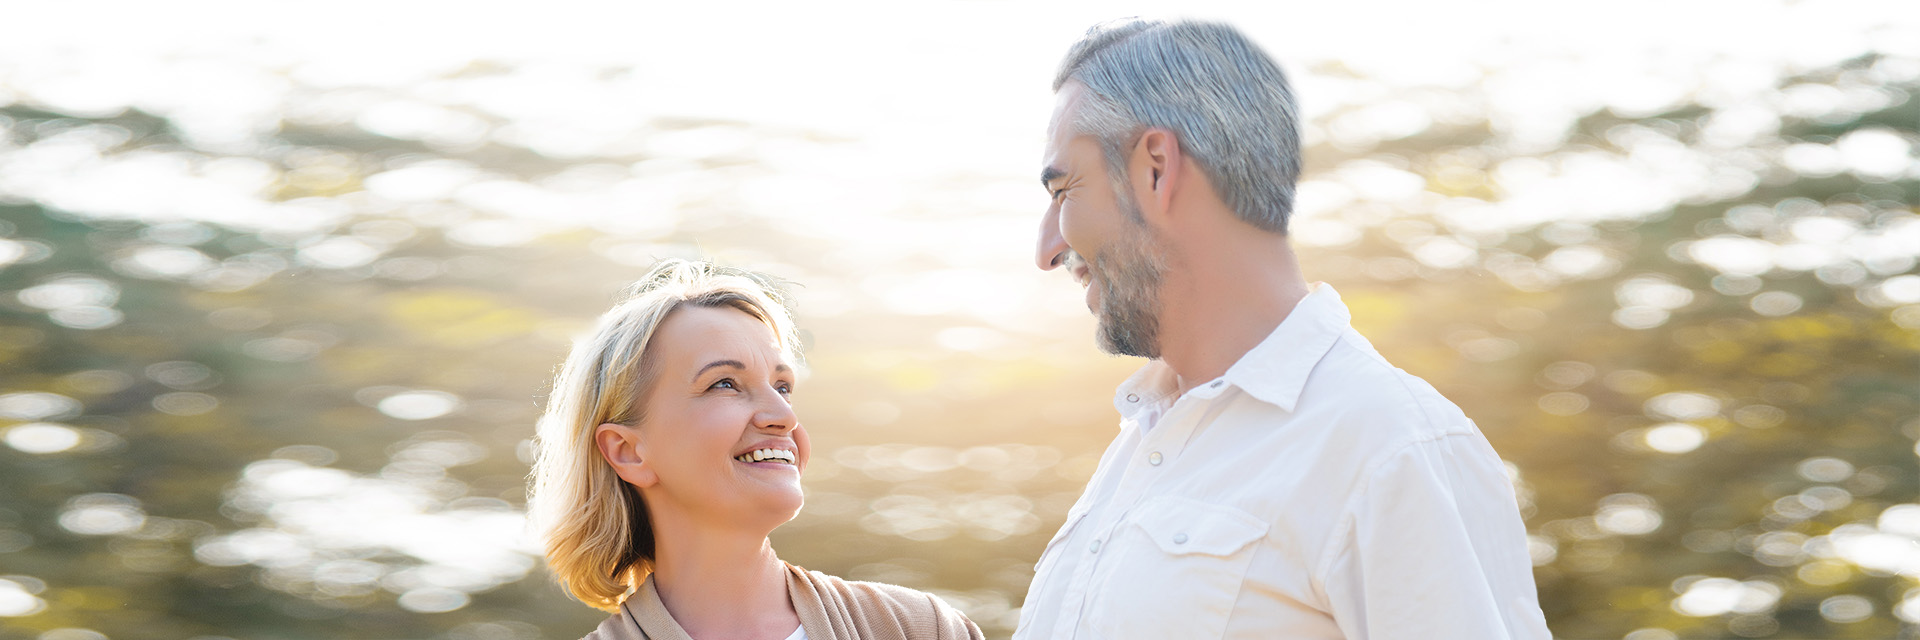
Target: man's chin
{"points": [[1120, 343]]}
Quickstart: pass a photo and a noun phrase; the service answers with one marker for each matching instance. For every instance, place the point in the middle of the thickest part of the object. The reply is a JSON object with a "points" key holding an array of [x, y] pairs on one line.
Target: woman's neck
{"points": [[718, 583]]}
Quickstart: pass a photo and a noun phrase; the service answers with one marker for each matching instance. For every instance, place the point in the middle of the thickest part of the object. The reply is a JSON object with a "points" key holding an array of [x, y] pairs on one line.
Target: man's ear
{"points": [[621, 447], [1154, 168]]}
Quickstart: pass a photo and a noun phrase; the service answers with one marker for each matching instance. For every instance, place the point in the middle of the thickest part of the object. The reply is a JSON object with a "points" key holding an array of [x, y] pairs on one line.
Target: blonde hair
{"points": [[598, 540]]}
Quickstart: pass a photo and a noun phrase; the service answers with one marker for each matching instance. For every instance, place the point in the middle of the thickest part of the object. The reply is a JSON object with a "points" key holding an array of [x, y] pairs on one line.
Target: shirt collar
{"points": [[1147, 387], [1274, 371]]}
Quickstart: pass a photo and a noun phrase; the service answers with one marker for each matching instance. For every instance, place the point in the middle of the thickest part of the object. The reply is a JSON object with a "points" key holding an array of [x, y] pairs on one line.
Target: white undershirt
{"points": [[799, 633]]}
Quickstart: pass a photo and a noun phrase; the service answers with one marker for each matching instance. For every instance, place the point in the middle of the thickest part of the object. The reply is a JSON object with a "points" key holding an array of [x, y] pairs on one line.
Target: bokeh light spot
{"points": [[37, 405], [1682, 405], [1627, 514], [71, 633], [1825, 469], [1775, 303], [70, 291], [185, 403], [419, 405], [102, 514], [1650, 633], [1564, 403], [42, 437], [86, 317], [1675, 437], [1846, 609], [1720, 596], [433, 600], [16, 600]]}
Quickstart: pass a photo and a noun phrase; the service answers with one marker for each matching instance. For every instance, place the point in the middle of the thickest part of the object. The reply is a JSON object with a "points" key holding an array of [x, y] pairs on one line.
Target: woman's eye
{"points": [[785, 389], [724, 383]]}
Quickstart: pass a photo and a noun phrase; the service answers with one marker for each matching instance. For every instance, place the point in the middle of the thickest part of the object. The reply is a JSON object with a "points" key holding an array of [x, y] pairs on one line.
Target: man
{"points": [[1274, 477]]}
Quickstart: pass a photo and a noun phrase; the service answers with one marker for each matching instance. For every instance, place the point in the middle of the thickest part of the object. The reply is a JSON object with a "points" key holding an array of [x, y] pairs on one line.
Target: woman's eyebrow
{"points": [[737, 365], [718, 363]]}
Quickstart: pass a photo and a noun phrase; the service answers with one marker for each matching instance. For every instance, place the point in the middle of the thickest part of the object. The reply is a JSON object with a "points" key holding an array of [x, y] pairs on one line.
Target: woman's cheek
{"points": [[804, 444]]}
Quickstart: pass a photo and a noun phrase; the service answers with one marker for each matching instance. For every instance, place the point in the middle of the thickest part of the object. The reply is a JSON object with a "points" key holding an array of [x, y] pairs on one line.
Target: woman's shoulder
{"points": [[619, 626], [877, 592], [915, 611]]}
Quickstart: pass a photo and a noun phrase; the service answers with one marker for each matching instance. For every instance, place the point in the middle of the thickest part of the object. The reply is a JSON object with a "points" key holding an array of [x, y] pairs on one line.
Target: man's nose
{"points": [[1052, 248]]}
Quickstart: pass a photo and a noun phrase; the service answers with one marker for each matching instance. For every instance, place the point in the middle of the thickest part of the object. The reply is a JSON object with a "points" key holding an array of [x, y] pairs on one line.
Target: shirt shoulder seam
{"points": [[1337, 542]]}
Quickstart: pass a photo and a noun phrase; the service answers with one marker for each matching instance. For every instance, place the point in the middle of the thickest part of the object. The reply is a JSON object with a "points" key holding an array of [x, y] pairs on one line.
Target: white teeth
{"points": [[761, 455]]}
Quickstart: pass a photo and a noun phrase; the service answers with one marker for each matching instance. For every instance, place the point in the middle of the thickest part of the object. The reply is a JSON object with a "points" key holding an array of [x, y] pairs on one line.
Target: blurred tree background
{"points": [[277, 384]]}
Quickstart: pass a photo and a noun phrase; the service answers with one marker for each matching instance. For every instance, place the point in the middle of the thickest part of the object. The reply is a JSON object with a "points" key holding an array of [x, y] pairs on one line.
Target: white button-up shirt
{"points": [[1313, 491]]}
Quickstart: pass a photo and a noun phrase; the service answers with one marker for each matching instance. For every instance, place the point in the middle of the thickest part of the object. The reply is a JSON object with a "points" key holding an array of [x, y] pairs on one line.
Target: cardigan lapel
{"points": [[650, 614]]}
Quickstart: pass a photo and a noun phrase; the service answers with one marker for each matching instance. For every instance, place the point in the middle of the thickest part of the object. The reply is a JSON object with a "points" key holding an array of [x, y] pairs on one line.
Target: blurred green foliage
{"points": [[219, 393]]}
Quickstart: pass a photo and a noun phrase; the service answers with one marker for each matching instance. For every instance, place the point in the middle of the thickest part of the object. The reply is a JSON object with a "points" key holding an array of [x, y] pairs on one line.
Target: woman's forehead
{"points": [[703, 334]]}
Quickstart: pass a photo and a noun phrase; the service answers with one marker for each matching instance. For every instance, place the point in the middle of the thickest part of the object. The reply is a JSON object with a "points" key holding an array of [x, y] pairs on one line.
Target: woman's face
{"points": [[718, 440]]}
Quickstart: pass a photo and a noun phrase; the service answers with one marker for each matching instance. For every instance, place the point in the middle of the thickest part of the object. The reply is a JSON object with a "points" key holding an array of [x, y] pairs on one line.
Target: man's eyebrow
{"points": [[1050, 174], [718, 363]]}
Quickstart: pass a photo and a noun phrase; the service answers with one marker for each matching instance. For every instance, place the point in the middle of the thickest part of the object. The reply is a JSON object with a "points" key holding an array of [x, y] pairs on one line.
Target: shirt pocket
{"points": [[1177, 566], [1074, 517]]}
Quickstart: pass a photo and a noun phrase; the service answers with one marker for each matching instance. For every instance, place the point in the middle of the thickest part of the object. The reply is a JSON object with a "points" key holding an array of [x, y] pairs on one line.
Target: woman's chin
{"points": [[768, 497], [789, 506], [780, 501], [777, 510]]}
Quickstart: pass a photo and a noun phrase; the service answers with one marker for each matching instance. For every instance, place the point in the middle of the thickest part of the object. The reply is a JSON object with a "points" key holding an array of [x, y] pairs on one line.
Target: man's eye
{"points": [[785, 389], [1059, 192]]}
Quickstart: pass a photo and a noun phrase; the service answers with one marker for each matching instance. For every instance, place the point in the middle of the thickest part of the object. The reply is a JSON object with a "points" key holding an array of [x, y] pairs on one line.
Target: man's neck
{"points": [[1220, 303], [721, 583]]}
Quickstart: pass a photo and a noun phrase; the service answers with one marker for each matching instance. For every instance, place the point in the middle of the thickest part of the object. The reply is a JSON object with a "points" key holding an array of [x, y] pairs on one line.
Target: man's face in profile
{"points": [[1093, 227]]}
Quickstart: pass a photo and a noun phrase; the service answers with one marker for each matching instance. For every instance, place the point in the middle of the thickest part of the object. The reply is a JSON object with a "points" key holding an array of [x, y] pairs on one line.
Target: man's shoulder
{"points": [[1370, 394]]}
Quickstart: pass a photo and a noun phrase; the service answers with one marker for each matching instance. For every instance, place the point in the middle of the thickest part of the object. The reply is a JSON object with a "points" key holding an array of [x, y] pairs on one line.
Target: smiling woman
{"points": [[670, 449]]}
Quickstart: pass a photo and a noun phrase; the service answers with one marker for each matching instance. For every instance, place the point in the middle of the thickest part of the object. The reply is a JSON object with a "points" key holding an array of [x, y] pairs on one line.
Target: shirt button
{"points": [[1133, 398], [1179, 538], [1153, 458], [1095, 548], [1216, 384]]}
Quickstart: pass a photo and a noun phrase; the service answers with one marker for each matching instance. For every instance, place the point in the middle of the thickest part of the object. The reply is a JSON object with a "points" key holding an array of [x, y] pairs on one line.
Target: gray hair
{"points": [[1224, 99]]}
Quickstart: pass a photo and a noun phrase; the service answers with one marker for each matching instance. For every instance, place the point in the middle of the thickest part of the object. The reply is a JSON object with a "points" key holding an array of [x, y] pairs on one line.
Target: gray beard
{"points": [[1129, 275]]}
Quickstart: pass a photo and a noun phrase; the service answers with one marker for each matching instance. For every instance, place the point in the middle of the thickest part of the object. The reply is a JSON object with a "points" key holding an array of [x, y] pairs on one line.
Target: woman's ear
{"points": [[620, 445]]}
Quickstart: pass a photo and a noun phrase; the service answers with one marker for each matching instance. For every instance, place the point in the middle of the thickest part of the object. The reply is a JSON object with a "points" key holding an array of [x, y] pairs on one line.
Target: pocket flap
{"points": [[1073, 518], [1182, 526]]}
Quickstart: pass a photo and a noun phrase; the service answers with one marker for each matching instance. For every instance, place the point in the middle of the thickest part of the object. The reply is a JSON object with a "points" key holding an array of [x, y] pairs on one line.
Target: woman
{"points": [[670, 450]]}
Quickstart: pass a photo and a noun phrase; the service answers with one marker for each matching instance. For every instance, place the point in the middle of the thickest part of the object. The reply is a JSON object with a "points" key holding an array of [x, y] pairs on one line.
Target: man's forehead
{"points": [[1066, 104]]}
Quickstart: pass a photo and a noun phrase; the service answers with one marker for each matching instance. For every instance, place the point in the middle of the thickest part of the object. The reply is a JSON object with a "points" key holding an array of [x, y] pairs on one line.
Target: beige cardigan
{"points": [[829, 608]]}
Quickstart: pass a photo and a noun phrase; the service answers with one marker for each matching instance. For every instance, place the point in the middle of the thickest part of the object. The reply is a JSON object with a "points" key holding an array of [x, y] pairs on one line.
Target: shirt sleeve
{"points": [[1432, 547]]}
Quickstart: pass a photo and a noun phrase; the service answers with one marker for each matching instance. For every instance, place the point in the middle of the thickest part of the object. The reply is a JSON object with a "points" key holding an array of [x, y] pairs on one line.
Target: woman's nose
{"points": [[775, 412]]}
